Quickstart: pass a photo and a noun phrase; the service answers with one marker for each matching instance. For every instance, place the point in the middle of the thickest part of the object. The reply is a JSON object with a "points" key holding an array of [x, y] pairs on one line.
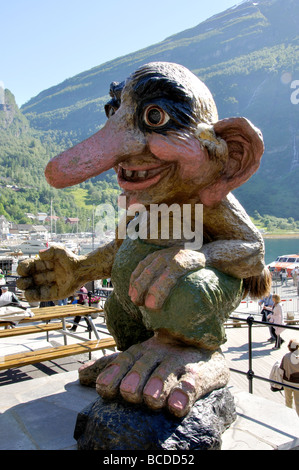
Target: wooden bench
{"points": [[64, 311], [42, 316], [46, 314], [40, 323], [292, 322], [292, 318], [28, 330], [48, 354]]}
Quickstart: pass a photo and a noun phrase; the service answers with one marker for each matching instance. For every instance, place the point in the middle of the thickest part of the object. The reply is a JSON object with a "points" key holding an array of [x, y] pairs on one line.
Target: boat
{"points": [[288, 262], [5, 250], [31, 247]]}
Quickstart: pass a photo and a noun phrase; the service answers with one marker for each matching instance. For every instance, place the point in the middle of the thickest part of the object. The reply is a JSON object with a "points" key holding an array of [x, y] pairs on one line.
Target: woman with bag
{"points": [[290, 367], [277, 317]]}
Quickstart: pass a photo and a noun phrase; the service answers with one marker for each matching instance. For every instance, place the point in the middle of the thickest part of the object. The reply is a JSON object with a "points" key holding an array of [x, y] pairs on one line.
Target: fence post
{"points": [[250, 372], [89, 298]]}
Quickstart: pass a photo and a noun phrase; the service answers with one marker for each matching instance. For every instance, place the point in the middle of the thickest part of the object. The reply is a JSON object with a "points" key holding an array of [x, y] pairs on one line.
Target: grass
{"points": [[80, 196]]}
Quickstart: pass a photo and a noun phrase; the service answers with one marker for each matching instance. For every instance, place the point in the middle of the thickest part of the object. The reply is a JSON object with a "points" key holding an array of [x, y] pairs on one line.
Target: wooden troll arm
{"points": [[239, 250], [59, 272], [236, 247]]}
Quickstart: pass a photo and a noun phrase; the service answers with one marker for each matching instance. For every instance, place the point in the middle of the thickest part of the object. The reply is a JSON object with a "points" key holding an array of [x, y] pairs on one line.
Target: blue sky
{"points": [[44, 42]]}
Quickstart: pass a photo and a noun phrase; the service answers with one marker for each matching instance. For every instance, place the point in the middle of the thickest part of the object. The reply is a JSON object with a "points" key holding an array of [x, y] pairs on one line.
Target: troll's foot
{"points": [[163, 373]]}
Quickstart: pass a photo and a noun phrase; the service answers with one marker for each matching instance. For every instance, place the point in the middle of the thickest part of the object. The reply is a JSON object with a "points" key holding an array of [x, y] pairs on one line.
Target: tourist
{"points": [[82, 300], [266, 304], [8, 297], [2, 280], [294, 274], [290, 367], [284, 277], [276, 317]]}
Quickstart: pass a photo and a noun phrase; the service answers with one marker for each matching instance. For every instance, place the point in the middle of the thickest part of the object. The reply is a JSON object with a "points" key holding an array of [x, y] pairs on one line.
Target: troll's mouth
{"points": [[139, 177]]}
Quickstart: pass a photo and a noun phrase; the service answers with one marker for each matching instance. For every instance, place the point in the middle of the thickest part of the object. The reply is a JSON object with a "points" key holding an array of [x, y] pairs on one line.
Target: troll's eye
{"points": [[154, 116], [109, 110]]}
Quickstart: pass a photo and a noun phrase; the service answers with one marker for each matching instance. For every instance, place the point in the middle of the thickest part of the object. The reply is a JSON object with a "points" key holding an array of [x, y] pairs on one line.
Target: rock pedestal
{"points": [[118, 425]]}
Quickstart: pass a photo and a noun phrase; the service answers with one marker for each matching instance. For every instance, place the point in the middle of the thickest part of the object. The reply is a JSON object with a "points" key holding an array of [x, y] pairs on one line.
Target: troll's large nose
{"points": [[117, 140]]}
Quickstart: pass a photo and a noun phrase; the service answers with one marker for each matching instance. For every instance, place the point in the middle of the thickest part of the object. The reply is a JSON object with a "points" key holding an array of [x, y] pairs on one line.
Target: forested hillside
{"points": [[24, 152], [249, 58]]}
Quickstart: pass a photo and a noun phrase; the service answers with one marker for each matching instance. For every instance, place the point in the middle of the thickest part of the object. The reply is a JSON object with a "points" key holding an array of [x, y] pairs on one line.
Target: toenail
{"points": [[153, 388], [108, 375], [178, 400], [130, 382]]}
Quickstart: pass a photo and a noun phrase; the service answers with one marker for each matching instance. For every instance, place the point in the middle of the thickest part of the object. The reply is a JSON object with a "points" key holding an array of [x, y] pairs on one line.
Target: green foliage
{"points": [[23, 187], [270, 223]]}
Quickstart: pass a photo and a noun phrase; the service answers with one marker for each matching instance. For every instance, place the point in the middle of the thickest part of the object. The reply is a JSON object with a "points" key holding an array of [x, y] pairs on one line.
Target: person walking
{"points": [[276, 317], [82, 299], [266, 305], [284, 277], [290, 367], [295, 275]]}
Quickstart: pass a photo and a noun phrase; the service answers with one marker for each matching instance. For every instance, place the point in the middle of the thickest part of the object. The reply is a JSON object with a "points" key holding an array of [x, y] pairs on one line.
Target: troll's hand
{"points": [[155, 276], [52, 276]]}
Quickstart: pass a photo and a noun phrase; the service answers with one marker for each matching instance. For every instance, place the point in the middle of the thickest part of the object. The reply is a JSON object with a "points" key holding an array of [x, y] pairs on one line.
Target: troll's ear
{"points": [[245, 149]]}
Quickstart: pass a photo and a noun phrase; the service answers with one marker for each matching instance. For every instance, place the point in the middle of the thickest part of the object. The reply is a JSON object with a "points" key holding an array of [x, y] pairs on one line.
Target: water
{"points": [[280, 246]]}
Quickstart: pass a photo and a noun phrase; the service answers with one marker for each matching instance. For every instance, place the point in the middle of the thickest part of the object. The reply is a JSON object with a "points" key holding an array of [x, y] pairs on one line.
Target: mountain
{"points": [[23, 186], [247, 55]]}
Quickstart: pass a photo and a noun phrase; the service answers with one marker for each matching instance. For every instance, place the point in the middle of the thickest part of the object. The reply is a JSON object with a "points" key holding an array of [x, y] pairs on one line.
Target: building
{"points": [[54, 218], [27, 229], [72, 220], [41, 216], [4, 226]]}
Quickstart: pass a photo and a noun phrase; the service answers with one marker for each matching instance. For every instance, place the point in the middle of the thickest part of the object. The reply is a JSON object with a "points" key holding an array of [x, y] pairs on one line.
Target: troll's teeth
{"points": [[135, 175]]}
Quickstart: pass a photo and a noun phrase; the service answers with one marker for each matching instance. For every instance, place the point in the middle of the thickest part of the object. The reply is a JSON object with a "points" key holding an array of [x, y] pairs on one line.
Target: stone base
{"points": [[118, 425]]}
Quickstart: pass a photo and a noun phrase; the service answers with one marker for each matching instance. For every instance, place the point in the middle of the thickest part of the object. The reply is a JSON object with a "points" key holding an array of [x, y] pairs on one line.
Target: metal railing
{"points": [[250, 374]]}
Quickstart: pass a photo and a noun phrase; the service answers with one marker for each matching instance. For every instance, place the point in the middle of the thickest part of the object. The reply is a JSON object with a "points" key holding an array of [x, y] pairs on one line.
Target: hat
{"points": [[4, 288], [294, 343]]}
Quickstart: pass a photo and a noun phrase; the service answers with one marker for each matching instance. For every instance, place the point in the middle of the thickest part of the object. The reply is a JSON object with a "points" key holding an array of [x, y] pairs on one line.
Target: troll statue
{"points": [[164, 140]]}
